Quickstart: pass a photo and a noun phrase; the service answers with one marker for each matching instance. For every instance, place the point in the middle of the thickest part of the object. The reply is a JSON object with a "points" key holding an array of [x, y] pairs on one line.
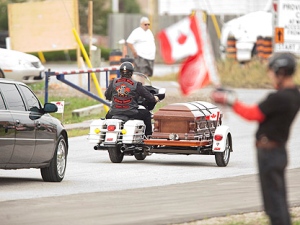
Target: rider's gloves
{"points": [[224, 96]]}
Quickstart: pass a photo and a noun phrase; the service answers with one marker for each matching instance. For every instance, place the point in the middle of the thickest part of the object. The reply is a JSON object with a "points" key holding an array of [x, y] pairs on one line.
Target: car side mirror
{"points": [[50, 108]]}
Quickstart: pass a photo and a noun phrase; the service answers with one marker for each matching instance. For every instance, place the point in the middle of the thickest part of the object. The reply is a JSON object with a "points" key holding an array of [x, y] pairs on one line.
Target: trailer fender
{"points": [[220, 138]]}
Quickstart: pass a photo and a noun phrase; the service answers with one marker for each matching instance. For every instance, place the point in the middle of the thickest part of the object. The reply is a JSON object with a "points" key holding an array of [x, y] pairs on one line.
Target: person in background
{"points": [[274, 115], [124, 93], [142, 45]]}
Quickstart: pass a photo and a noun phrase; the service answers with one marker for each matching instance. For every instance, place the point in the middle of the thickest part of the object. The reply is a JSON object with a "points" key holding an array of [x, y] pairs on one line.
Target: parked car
{"points": [[29, 136], [20, 66]]}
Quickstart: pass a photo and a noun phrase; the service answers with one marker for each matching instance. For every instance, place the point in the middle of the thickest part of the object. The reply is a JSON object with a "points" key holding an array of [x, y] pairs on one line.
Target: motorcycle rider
{"points": [[124, 93]]}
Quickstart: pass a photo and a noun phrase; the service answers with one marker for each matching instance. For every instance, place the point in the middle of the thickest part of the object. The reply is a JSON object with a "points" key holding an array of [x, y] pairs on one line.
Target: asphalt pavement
{"points": [[170, 204]]}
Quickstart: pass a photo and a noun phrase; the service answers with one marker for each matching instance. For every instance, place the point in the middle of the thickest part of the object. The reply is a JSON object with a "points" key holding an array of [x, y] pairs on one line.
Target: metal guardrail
{"points": [[61, 77]]}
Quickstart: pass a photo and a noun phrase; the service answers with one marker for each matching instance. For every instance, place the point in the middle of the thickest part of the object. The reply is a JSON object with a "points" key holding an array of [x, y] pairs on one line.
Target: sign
{"points": [[287, 31], [279, 35], [60, 106]]}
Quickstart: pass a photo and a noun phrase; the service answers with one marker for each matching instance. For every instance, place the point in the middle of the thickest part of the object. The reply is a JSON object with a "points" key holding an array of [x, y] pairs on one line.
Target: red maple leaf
{"points": [[181, 38]]}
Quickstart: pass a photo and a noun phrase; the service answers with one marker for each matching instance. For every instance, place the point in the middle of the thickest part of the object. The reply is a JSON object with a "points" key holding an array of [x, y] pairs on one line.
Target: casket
{"points": [[186, 121]]}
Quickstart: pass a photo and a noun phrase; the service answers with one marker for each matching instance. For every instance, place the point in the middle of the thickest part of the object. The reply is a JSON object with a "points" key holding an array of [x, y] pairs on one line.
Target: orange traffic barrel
{"points": [[114, 60], [231, 48], [267, 47], [127, 59], [259, 46]]}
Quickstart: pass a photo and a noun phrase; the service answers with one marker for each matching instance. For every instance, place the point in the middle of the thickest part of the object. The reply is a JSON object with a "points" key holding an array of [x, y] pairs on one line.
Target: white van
{"points": [[245, 30]]}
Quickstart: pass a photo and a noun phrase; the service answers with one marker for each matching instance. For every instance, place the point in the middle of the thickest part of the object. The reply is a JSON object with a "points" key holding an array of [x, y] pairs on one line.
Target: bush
{"points": [[70, 55]]}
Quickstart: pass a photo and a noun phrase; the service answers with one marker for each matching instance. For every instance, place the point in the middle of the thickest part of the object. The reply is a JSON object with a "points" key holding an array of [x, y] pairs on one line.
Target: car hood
{"points": [[16, 54]]}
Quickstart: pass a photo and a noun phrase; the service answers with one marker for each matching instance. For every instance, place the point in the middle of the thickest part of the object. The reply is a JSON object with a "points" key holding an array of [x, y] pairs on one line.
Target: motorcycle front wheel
{"points": [[115, 154]]}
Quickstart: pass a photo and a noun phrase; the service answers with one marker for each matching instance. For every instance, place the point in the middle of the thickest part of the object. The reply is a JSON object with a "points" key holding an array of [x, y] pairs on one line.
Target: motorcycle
{"points": [[122, 135]]}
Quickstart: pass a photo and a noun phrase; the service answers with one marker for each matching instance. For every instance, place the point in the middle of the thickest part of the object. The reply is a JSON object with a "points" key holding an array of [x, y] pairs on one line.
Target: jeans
{"points": [[271, 165]]}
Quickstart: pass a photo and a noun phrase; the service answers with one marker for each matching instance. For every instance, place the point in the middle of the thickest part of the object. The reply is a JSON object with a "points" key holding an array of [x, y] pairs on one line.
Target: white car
{"points": [[20, 66]]}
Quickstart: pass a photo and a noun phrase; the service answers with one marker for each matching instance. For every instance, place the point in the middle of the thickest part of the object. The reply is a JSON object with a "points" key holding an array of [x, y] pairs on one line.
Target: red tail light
{"points": [[218, 137], [111, 127]]}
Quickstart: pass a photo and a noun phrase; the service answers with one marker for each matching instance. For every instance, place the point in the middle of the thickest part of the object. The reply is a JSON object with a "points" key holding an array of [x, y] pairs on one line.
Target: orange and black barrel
{"points": [[259, 47], [267, 47], [231, 48], [127, 59], [114, 60]]}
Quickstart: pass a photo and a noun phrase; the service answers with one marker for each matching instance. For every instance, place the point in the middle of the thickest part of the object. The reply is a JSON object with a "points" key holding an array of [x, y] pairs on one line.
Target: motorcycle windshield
{"points": [[140, 77]]}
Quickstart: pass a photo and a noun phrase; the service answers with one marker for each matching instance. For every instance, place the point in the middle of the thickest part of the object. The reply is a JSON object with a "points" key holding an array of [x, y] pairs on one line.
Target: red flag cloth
{"points": [[179, 40], [188, 38], [193, 74]]}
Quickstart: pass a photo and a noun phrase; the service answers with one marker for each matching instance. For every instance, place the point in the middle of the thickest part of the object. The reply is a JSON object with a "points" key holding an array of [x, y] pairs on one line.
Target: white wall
{"points": [[217, 7]]}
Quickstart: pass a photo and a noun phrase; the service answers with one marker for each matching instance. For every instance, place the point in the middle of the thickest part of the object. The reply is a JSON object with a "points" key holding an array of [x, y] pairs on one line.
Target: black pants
{"points": [[143, 114], [272, 164]]}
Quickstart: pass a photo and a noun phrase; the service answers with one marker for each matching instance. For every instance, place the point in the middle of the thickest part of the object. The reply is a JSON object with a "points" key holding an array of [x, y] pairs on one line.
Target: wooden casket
{"points": [[187, 121]]}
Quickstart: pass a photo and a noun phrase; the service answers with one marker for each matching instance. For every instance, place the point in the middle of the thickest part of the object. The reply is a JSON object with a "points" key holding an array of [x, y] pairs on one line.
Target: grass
{"points": [[236, 75], [78, 132]]}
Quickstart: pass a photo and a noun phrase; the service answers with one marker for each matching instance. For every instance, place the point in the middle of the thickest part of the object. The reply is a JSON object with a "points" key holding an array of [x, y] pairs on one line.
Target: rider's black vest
{"points": [[123, 97]]}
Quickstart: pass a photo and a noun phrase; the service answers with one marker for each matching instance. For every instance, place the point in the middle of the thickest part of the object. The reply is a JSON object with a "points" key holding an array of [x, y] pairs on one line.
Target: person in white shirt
{"points": [[142, 45]]}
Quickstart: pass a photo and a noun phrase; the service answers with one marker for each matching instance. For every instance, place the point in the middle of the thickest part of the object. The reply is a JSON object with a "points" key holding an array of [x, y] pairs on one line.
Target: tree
{"points": [[101, 10], [129, 6], [4, 13]]}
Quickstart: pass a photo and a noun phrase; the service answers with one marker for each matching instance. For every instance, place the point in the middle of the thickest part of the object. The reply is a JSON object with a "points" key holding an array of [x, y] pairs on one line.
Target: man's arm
{"points": [[145, 93], [108, 92], [132, 49], [252, 112]]}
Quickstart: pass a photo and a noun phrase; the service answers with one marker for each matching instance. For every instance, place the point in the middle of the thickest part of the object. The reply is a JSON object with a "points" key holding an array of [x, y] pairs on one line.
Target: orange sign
{"points": [[279, 35]]}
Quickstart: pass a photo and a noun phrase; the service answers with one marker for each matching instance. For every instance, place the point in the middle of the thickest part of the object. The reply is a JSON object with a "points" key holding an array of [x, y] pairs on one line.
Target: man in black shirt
{"points": [[124, 93], [275, 115]]}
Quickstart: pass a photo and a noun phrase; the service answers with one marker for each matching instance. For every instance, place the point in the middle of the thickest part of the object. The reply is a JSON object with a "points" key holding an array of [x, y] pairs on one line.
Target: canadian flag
{"points": [[189, 39], [179, 40]]}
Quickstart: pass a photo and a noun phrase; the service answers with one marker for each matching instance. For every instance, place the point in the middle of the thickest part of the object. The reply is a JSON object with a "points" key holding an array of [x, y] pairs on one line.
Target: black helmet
{"points": [[126, 69], [283, 64]]}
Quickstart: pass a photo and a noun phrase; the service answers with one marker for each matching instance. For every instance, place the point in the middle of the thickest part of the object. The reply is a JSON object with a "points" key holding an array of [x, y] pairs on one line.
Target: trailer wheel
{"points": [[140, 155], [222, 158], [115, 154]]}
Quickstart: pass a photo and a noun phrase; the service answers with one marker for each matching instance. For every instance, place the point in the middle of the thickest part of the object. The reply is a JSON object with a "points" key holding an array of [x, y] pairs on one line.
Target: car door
{"points": [[45, 129], [7, 134], [24, 126]]}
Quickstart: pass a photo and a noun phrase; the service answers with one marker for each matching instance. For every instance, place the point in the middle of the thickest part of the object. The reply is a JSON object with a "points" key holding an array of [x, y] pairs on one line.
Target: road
{"points": [[93, 184]]}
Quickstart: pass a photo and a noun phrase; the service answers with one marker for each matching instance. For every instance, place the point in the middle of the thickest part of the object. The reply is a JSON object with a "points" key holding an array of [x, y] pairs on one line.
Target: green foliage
{"points": [[249, 75], [70, 55], [129, 6], [78, 132], [101, 10], [4, 12]]}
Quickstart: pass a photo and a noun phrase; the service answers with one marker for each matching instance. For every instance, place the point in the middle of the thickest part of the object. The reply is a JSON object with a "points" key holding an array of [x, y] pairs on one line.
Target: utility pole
{"points": [[154, 25]]}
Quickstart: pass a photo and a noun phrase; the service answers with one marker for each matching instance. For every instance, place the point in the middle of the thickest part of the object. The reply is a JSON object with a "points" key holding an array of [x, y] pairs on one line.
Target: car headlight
{"points": [[25, 63]]}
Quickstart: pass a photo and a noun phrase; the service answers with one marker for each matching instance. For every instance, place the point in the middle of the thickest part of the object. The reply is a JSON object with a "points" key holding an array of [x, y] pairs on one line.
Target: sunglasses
{"points": [[147, 24]]}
